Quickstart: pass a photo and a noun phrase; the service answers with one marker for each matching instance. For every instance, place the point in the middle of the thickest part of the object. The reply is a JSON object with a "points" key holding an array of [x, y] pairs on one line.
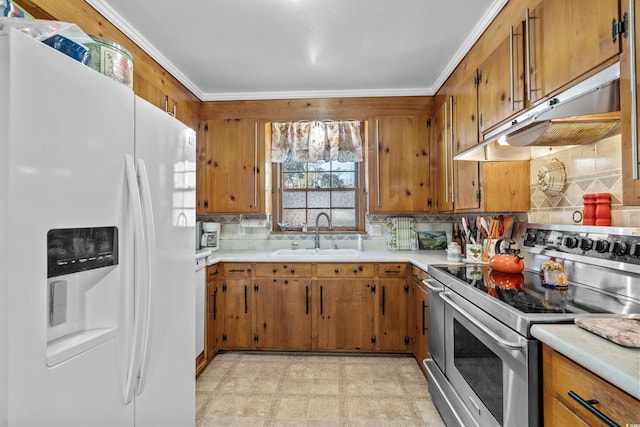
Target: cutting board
{"points": [[625, 332]]}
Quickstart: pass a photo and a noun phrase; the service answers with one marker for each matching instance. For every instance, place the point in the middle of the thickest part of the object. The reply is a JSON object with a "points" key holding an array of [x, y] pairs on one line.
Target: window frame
{"points": [[359, 191]]}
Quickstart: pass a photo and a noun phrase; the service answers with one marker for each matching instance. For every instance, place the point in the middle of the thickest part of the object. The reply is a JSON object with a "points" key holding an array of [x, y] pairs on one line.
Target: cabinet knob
{"points": [[355, 270], [293, 271], [337, 270], [275, 270]]}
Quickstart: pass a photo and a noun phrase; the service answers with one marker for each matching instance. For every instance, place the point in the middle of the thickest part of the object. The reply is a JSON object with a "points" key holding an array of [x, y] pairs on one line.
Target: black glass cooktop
{"points": [[526, 291]]}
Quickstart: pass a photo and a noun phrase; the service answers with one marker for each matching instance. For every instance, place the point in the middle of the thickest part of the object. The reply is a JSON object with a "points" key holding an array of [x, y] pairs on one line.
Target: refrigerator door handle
{"points": [[147, 209], [135, 208]]}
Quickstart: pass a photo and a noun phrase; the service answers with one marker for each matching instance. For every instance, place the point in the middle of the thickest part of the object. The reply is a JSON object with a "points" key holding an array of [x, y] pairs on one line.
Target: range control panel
{"points": [[594, 244]]}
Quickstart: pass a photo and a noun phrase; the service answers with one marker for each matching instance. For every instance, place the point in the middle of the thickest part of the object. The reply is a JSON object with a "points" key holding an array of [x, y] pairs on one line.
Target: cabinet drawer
{"points": [[283, 270], [345, 270], [392, 270], [562, 376], [237, 269], [418, 274], [212, 273]]}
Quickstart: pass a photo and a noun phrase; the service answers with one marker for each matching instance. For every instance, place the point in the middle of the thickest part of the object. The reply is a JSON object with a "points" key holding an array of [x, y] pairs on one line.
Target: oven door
{"points": [[492, 368]]}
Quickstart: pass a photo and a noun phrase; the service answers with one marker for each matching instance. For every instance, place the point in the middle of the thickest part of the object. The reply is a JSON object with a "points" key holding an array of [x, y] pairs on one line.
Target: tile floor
{"points": [[266, 389]]}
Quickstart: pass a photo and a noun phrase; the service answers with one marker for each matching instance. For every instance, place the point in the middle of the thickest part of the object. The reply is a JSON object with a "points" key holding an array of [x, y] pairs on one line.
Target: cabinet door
{"points": [[237, 313], [233, 167], [501, 80], [215, 321], [506, 186], [283, 314], [344, 313], [392, 314], [630, 106], [465, 135], [442, 155], [399, 165], [568, 39], [421, 325]]}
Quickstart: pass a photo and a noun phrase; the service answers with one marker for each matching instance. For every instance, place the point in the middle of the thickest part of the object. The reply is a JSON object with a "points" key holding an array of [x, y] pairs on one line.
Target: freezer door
{"points": [[69, 129], [165, 149]]}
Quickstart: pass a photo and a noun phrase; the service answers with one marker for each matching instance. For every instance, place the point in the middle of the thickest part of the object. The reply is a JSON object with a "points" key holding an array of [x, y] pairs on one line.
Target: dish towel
{"points": [[401, 233]]}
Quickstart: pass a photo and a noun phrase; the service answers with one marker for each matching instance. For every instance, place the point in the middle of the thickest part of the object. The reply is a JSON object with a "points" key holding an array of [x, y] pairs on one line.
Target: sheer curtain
{"points": [[311, 141]]}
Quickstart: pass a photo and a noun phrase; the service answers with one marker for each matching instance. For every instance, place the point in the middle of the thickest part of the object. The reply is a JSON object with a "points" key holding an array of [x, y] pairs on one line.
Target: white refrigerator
{"points": [[97, 217]]}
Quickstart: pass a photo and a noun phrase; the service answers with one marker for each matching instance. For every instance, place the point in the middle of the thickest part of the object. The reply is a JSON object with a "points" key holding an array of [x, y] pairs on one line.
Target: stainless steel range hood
{"points": [[585, 113]]}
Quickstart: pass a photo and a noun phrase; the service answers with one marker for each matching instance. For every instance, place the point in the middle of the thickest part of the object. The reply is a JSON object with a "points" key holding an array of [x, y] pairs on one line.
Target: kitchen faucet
{"points": [[317, 238]]}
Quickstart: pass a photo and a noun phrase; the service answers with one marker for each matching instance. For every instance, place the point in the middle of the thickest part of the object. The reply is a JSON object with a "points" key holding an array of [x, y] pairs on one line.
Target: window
{"points": [[318, 168], [308, 189]]}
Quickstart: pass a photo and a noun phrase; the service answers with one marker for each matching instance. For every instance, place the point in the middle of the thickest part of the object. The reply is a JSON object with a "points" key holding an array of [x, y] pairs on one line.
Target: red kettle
{"points": [[507, 260]]}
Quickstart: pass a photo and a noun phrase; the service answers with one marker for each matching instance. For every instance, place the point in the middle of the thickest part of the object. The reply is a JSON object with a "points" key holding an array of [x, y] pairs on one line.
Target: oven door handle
{"points": [[502, 342], [429, 283]]}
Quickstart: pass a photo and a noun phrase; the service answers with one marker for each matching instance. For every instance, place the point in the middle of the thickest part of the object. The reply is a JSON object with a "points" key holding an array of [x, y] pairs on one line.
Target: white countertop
{"points": [[617, 364], [420, 259]]}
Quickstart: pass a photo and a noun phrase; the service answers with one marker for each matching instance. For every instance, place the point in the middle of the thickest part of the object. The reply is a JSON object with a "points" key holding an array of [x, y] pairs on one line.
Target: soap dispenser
{"points": [[359, 244]]}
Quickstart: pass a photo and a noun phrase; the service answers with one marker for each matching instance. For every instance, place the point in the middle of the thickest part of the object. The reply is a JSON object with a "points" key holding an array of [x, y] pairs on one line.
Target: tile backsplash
{"points": [[590, 168]]}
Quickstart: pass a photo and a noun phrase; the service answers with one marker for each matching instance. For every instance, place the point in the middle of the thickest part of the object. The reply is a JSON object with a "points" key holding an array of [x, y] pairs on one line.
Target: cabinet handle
{"points": [[255, 165], [451, 148], [321, 305], [237, 271], [446, 156], [306, 296], [527, 54], [512, 83], [215, 303], [634, 92], [383, 300], [588, 405], [378, 159], [424, 323], [393, 271], [246, 306]]}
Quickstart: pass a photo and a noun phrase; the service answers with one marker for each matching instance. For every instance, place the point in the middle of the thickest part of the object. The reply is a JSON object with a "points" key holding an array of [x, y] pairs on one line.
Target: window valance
{"points": [[310, 141]]}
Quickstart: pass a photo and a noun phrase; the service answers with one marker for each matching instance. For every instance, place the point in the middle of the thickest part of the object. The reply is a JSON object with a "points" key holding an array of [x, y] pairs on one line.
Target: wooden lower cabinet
{"points": [[392, 293], [238, 301], [344, 315], [215, 312], [419, 317], [562, 376], [282, 314]]}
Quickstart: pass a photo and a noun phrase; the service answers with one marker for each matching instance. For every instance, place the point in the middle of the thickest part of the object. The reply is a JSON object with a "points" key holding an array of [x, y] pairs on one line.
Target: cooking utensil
{"points": [[465, 227], [484, 227]]}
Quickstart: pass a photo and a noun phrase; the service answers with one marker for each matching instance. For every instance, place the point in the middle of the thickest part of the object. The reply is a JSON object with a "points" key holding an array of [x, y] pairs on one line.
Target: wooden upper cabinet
{"points": [[234, 159], [501, 90], [568, 39], [442, 155], [399, 165], [465, 134]]}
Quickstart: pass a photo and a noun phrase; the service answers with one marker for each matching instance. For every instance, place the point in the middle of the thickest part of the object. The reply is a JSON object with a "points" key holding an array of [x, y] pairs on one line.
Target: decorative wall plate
{"points": [[552, 177]]}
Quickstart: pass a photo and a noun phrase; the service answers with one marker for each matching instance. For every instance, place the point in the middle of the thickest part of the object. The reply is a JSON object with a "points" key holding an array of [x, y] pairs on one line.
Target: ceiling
{"points": [[279, 49]]}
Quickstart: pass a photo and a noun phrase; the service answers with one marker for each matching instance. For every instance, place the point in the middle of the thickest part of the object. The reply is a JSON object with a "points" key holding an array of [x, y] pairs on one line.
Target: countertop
{"points": [[420, 259], [617, 364]]}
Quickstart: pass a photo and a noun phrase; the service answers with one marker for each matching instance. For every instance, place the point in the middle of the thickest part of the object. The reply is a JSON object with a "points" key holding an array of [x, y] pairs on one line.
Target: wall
{"points": [[590, 168]]}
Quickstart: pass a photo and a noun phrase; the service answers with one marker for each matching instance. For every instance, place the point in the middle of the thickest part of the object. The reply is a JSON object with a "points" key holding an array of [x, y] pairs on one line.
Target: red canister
{"points": [[603, 209], [589, 213]]}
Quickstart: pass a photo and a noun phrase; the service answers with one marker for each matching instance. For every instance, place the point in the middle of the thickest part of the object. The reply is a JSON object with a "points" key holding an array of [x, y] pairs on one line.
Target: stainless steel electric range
{"points": [[484, 366]]}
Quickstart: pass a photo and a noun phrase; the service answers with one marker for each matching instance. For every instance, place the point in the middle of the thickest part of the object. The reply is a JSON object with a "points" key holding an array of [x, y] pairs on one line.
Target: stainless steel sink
{"points": [[314, 253]]}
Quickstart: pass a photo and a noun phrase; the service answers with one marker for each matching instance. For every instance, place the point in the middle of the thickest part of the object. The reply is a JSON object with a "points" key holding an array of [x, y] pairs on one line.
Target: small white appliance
{"points": [[210, 236]]}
